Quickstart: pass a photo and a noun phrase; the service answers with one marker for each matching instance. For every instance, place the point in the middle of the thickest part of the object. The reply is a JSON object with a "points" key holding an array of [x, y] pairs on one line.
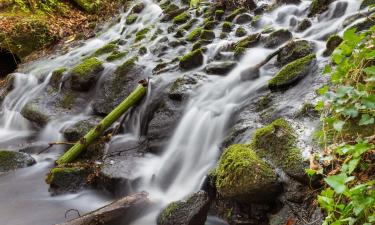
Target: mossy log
{"points": [[95, 133], [114, 212]]}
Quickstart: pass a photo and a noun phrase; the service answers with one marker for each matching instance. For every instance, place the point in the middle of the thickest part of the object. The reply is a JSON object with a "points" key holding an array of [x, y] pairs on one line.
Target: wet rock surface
{"points": [[10, 160]]}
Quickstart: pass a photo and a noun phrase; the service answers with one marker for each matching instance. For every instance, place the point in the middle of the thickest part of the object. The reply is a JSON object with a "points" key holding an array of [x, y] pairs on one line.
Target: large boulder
{"points": [[294, 50], [277, 143], [292, 73], [10, 160], [84, 75], [117, 86], [191, 211], [243, 176]]}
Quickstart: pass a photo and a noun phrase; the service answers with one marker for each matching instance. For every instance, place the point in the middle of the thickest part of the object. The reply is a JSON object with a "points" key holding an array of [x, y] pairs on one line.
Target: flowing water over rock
{"points": [[189, 113]]}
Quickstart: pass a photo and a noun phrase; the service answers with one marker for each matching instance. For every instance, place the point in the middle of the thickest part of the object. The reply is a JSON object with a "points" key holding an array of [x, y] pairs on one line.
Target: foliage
{"points": [[348, 110]]}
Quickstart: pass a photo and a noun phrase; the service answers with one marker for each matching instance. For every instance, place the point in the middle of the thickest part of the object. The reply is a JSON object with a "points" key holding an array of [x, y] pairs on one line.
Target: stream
{"points": [[195, 144]]}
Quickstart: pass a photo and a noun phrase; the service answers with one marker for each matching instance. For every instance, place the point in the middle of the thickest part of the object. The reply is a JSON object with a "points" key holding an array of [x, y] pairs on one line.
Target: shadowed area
{"points": [[8, 62]]}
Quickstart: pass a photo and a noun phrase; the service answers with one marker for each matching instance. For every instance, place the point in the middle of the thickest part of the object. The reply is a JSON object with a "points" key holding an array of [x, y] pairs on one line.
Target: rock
{"points": [[35, 113], [10, 160], [137, 8], [220, 68], [288, 1], [332, 43], [219, 14], [180, 88], [318, 7], [366, 3], [243, 176], [294, 50], [108, 48], [7, 86], [209, 25], [67, 179], [277, 143], [182, 18], [192, 59], [84, 76], [240, 32], [227, 27], [243, 18], [194, 34], [117, 86], [303, 25], [247, 42], [77, 130], [292, 73], [56, 78], [131, 19], [207, 35], [89, 6], [116, 56], [277, 38], [235, 13], [171, 11], [191, 211], [249, 4], [365, 24]]}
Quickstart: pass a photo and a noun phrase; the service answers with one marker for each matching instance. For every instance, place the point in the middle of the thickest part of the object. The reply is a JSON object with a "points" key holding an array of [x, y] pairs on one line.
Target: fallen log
{"points": [[97, 131], [113, 213]]}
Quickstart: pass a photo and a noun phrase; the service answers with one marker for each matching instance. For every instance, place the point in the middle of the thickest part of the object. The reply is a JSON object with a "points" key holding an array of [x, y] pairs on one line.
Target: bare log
{"points": [[95, 133], [114, 212]]}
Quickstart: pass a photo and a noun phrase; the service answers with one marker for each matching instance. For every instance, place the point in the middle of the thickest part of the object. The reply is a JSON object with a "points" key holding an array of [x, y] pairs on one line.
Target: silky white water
{"points": [[192, 150]]}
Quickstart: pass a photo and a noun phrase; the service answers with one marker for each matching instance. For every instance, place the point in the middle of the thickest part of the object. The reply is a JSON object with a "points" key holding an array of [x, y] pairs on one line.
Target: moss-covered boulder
{"points": [[90, 6], [182, 18], [240, 32], [116, 56], [170, 11], [220, 68], [77, 130], [243, 18], [249, 41], [294, 50], [209, 25], [235, 13], [292, 73], [318, 7], [332, 43], [192, 59], [56, 78], [117, 86], [108, 48], [219, 14], [137, 8], [207, 35], [67, 179], [227, 27], [303, 25], [366, 3], [10, 160], [277, 143], [277, 38], [84, 75], [243, 176], [131, 18], [191, 211], [194, 34]]}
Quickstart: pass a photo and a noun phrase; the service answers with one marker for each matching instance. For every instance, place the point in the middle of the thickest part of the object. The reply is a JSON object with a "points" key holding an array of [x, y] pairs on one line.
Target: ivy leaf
{"points": [[323, 90], [350, 166], [366, 119], [369, 101], [337, 182], [338, 125], [350, 111], [327, 69], [369, 70]]}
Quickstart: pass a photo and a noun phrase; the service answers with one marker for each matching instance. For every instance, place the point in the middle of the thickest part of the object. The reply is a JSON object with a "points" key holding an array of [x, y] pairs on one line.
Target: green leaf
{"points": [[369, 101], [338, 125], [327, 69], [319, 105], [350, 111], [323, 90], [369, 70], [310, 172], [337, 182], [366, 119], [350, 166], [194, 3]]}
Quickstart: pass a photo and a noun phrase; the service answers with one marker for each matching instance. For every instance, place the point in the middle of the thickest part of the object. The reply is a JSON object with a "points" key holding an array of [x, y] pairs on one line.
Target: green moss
{"points": [[239, 51], [227, 26], [105, 49], [207, 35], [116, 55], [131, 19], [209, 25], [140, 35], [182, 18], [318, 6], [197, 45], [263, 102], [87, 66], [219, 14], [291, 72], [10, 160], [248, 41], [235, 13], [56, 77], [167, 212], [277, 143], [192, 59], [240, 32], [126, 66], [142, 50], [189, 24], [194, 35], [90, 6], [67, 101], [240, 171]]}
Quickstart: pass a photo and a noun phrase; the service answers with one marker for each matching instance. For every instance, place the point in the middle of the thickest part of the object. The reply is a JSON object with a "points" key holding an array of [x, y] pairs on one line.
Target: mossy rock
{"points": [[292, 73], [84, 75], [170, 11], [116, 56], [108, 48], [194, 34], [67, 100], [140, 35], [180, 88], [219, 14], [240, 32], [77, 130], [294, 50], [10, 160], [207, 35], [366, 3], [190, 211], [137, 8], [36, 114], [243, 18], [192, 59], [303, 25], [90, 6], [131, 19], [247, 42], [277, 143], [209, 25], [235, 13], [243, 176], [227, 27], [182, 18], [67, 179], [332, 43], [318, 7], [56, 78], [277, 38], [220, 68]]}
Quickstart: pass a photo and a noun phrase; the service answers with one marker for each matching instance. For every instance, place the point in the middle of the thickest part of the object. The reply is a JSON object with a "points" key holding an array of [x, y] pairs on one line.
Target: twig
{"points": [[54, 143]]}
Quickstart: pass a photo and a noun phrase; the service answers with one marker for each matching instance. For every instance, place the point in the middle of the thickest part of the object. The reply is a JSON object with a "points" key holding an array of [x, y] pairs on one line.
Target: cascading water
{"points": [[192, 150]]}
